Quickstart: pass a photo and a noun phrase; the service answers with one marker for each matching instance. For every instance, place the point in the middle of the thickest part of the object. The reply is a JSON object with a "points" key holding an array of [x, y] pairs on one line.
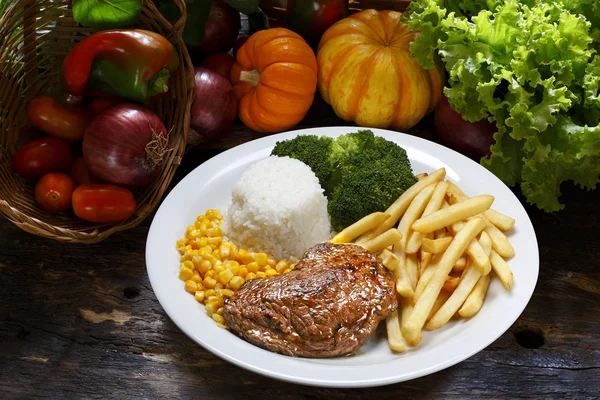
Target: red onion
{"points": [[214, 109], [125, 145]]}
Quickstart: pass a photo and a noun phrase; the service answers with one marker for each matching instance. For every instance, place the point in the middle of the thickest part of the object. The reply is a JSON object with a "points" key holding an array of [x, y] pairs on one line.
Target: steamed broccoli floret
{"points": [[361, 173], [369, 181], [313, 151]]}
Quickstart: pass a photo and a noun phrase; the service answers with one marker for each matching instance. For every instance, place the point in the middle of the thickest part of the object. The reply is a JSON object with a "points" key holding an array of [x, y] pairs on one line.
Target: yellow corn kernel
{"points": [[210, 293], [214, 241], [261, 259], [234, 251], [188, 264], [281, 266], [266, 268], [218, 318], [252, 267], [251, 275], [243, 271], [220, 311], [220, 267], [204, 266], [209, 282], [226, 292], [185, 274], [271, 272], [232, 265], [244, 257], [218, 287], [236, 282], [225, 276], [199, 295], [211, 213], [261, 274], [191, 286], [287, 270], [271, 261], [211, 258], [211, 308], [210, 273], [215, 232], [196, 260], [225, 250], [213, 300], [196, 278], [203, 241]]}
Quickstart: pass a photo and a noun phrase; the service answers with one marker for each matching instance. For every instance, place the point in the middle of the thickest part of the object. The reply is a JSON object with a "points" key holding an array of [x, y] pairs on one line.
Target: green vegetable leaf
{"points": [[106, 14], [531, 67]]}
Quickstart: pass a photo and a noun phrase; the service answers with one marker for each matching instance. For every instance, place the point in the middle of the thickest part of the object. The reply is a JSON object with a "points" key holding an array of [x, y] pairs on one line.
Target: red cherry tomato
{"points": [[53, 192], [220, 63], [103, 102], [81, 175], [41, 156], [46, 114], [103, 204]]}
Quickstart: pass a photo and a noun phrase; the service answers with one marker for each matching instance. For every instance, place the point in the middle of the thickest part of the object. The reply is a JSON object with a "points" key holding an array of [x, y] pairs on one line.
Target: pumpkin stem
{"points": [[252, 77]]}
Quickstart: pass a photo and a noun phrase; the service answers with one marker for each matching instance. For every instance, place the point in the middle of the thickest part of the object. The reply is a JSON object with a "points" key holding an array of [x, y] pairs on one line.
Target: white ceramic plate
{"points": [[209, 186]]}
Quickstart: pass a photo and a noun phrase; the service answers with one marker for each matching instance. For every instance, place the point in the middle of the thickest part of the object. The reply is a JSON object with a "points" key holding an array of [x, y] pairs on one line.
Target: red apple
{"points": [[214, 107], [472, 139], [220, 63]]}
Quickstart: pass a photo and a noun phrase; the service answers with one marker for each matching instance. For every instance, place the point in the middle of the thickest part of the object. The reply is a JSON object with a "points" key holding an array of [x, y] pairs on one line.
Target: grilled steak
{"points": [[328, 305]]}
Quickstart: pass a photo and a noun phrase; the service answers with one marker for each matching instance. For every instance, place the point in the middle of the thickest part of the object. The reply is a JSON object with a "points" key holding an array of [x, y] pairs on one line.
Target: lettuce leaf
{"points": [[532, 68]]}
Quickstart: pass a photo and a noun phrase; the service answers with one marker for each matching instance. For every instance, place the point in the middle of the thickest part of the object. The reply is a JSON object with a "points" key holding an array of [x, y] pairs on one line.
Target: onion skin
{"points": [[214, 109], [125, 145], [472, 139]]}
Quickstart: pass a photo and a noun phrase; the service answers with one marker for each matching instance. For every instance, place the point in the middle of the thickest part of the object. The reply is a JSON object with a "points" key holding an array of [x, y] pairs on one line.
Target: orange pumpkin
{"points": [[367, 74], [275, 80]]}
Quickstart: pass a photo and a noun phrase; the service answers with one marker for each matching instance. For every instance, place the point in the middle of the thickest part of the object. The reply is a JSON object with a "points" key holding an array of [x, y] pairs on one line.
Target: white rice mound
{"points": [[277, 207]]}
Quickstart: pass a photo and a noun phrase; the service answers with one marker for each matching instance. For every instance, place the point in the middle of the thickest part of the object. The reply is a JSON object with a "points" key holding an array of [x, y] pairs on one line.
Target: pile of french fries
{"points": [[443, 254]]}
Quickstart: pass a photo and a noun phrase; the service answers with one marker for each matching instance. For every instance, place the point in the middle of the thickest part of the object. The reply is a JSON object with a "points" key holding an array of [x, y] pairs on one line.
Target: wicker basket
{"points": [[35, 38]]}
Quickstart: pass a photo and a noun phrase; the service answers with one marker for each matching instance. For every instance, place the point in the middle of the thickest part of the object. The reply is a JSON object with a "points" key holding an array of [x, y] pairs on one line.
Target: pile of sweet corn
{"points": [[213, 269]]}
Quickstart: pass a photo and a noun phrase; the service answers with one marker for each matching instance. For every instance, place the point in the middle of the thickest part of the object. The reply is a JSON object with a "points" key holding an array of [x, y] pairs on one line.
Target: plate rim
{"points": [[282, 376]]}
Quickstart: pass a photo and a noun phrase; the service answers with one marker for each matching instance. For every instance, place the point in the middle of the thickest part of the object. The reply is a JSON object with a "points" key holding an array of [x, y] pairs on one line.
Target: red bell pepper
{"points": [[133, 64]]}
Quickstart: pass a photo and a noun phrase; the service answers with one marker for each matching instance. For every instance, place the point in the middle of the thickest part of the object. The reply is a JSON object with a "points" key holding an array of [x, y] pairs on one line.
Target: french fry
{"points": [[425, 260], [501, 269], [412, 268], [378, 243], [403, 284], [480, 259], [406, 309], [422, 175], [435, 203], [412, 329], [439, 302], [386, 257], [394, 333], [440, 233], [425, 277], [399, 206], [361, 226], [486, 243], [474, 302], [461, 263], [451, 283], [457, 299], [501, 221], [437, 245], [500, 242], [454, 213]]}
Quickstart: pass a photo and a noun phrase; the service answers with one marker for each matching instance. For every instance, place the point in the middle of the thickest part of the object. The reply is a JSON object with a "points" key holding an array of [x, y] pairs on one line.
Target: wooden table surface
{"points": [[81, 321]]}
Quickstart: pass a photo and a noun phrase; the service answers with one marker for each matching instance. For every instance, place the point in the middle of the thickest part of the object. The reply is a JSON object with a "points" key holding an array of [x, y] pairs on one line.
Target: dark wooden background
{"points": [[81, 321]]}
